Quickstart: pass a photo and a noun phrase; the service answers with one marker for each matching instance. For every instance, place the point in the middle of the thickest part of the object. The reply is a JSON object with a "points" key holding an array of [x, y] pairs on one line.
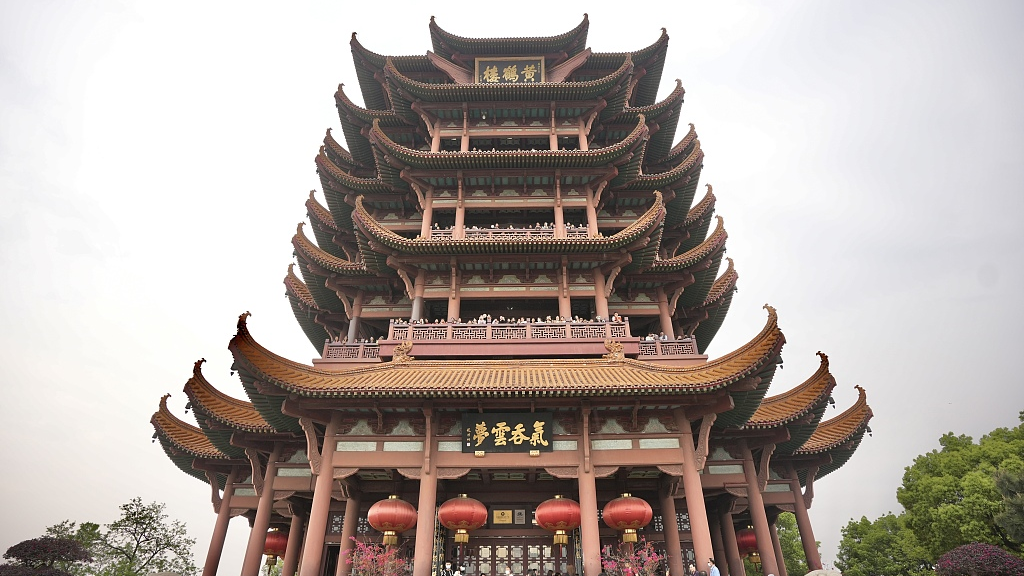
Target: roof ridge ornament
{"points": [[614, 350], [401, 353], [242, 328]]}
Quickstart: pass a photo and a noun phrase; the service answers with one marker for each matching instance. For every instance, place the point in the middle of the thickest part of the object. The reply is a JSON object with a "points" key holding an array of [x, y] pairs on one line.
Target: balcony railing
{"points": [[508, 332], [509, 233], [665, 348], [534, 339], [351, 352]]}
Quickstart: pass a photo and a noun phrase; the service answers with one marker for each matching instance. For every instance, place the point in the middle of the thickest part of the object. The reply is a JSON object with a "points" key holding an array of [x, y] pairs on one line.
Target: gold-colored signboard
{"points": [[524, 432], [502, 517], [510, 70]]}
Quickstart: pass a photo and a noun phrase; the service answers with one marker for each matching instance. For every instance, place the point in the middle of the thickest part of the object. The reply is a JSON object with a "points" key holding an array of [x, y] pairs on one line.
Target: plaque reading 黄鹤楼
{"points": [[509, 70], [506, 432]]}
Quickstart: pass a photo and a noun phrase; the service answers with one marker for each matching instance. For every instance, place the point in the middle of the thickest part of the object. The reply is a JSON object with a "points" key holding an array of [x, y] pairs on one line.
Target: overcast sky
{"points": [[155, 156]]}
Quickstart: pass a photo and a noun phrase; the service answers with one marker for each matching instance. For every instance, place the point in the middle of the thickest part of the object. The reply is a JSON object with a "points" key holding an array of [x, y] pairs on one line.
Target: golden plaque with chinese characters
{"points": [[506, 432], [510, 70]]}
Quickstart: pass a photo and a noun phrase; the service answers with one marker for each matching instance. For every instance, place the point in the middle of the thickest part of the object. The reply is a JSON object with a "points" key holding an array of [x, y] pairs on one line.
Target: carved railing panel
{"points": [[687, 347], [338, 351]]}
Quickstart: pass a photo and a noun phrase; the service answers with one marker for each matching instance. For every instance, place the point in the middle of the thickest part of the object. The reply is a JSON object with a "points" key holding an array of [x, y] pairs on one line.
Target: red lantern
{"points": [[276, 544], [559, 515], [392, 517], [462, 514], [628, 514], [746, 541]]}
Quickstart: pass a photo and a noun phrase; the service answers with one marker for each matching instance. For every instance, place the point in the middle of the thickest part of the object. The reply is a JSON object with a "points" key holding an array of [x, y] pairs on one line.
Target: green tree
{"points": [[885, 546], [87, 534], [1009, 480], [792, 548], [142, 541], [950, 495]]}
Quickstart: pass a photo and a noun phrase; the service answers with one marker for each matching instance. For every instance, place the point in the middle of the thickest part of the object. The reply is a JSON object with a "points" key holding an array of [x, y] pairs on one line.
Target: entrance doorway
{"points": [[492, 556]]}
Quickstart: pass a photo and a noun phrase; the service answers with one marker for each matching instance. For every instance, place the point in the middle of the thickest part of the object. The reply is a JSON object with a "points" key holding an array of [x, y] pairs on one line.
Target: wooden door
{"points": [[523, 555]]}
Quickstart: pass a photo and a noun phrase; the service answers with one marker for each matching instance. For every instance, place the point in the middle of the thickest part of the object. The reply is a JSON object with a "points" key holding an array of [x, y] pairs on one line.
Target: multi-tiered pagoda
{"points": [[511, 282]]}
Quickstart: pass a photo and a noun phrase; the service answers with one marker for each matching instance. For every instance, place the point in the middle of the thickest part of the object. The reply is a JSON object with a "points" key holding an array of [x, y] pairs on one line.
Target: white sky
{"points": [[155, 156]]}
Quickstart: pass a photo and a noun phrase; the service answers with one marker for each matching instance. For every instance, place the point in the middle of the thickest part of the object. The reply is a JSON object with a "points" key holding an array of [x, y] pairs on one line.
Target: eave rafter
{"points": [[231, 412], [182, 436], [330, 263], [711, 245], [448, 45], [333, 175], [404, 90], [794, 404], [836, 432], [401, 157], [317, 323]]}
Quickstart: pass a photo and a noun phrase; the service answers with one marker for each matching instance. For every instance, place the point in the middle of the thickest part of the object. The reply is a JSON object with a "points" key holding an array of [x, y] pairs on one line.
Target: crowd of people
{"points": [[662, 337], [521, 321], [536, 226], [488, 319]]}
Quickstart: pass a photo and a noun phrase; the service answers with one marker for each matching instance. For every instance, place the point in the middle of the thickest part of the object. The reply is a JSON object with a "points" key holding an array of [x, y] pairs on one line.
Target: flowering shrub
{"points": [[979, 559], [370, 559], [639, 560]]}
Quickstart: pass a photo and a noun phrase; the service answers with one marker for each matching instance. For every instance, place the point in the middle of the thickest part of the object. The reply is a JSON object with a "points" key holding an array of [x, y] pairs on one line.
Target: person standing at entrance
{"points": [[712, 569]]}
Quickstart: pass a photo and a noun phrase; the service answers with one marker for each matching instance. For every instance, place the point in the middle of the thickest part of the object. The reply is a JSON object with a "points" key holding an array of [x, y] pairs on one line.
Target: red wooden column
{"points": [[459, 231], [428, 212], [291, 553], [803, 522], [671, 528], [313, 549], [755, 503], [600, 300], [357, 312], [348, 532], [564, 301], [591, 213], [699, 528], [426, 507], [559, 215], [665, 314], [220, 529], [417, 292], [590, 535], [732, 551], [778, 550], [258, 535], [716, 544]]}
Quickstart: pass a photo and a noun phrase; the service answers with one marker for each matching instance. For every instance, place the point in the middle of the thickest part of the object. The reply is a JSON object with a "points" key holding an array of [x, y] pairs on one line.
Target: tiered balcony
{"points": [[509, 233], [511, 340], [527, 340]]}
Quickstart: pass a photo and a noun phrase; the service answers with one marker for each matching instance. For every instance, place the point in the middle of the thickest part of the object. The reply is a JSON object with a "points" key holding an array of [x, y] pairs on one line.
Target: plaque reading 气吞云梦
{"points": [[506, 432], [509, 70]]}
